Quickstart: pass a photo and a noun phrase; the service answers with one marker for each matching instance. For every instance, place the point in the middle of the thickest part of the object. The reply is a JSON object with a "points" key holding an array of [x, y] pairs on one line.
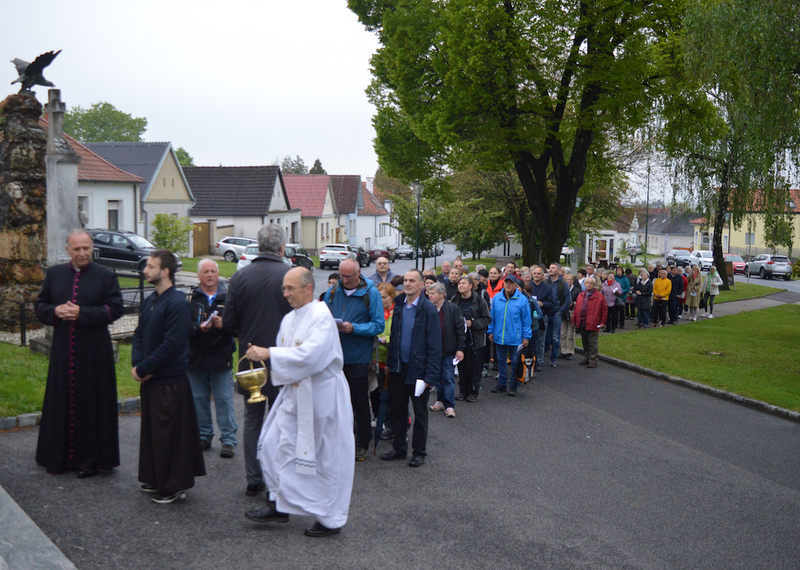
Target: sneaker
{"points": [[437, 407], [553, 363], [164, 499], [149, 489], [227, 451], [568, 356], [705, 314], [472, 398], [512, 392], [484, 373], [205, 445], [710, 316], [499, 389], [387, 433], [361, 454], [460, 397], [450, 413]]}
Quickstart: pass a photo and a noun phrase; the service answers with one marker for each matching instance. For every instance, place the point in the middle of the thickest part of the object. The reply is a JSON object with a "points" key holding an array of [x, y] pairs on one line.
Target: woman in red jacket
{"points": [[590, 315]]}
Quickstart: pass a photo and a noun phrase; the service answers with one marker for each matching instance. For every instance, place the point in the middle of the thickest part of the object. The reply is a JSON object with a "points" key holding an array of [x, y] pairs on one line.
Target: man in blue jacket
{"points": [[414, 357], [542, 293], [357, 302], [510, 327]]}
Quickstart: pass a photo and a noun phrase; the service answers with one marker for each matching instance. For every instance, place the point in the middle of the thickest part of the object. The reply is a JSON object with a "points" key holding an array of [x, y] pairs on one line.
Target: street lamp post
{"points": [[417, 188]]}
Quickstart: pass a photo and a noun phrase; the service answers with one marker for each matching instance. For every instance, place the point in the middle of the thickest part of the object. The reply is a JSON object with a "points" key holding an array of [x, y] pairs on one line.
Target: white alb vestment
{"points": [[307, 447]]}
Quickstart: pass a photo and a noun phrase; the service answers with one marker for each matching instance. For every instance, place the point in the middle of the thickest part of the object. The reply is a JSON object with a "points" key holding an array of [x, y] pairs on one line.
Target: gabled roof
{"points": [[346, 191], [308, 192], [233, 190], [660, 221], [143, 159], [372, 206], [94, 168], [793, 206]]}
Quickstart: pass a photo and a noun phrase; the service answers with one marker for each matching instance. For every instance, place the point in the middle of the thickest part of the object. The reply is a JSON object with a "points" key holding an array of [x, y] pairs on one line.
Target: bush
{"points": [[172, 233]]}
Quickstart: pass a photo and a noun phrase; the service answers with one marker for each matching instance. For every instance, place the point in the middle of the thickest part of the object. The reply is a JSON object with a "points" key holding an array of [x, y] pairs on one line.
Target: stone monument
{"points": [[63, 214], [23, 204]]}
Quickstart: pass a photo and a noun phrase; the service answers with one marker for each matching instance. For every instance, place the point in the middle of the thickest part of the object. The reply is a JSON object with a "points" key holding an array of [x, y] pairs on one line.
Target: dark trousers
{"points": [[659, 311], [620, 316], [631, 310], [356, 375], [613, 314], [399, 394], [590, 340], [673, 310], [469, 372]]}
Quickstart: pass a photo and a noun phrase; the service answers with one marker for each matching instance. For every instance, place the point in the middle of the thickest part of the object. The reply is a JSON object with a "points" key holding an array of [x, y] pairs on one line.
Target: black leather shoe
{"points": [[267, 514], [254, 489], [416, 461], [392, 455], [498, 389], [318, 530], [83, 474]]}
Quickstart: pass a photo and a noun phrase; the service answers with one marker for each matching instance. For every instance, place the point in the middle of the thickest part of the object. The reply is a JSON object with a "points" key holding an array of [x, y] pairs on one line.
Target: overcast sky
{"points": [[236, 83]]}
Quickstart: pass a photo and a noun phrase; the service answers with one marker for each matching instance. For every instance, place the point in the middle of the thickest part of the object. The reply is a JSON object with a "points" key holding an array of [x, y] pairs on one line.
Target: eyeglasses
{"points": [[290, 288]]}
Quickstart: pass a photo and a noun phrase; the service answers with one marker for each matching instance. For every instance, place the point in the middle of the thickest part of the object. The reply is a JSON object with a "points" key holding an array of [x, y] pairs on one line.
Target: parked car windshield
{"points": [[139, 241], [780, 259], [251, 250], [733, 257]]}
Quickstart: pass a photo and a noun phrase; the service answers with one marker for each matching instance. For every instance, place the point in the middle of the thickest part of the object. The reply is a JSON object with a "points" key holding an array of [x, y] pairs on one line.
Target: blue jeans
{"points": [[644, 318], [552, 341], [504, 353], [220, 384], [446, 385]]}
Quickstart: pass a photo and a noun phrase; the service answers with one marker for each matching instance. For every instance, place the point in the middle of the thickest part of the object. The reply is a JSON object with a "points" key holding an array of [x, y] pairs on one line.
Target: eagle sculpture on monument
{"points": [[30, 74]]}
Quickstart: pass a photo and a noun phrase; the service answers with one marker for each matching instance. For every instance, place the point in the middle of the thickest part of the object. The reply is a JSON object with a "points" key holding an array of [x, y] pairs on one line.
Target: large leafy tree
{"points": [[731, 112], [184, 157], [538, 87], [102, 122], [294, 165], [317, 168]]}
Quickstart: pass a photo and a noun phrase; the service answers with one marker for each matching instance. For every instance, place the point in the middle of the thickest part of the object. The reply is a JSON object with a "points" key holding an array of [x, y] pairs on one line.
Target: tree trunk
{"points": [[723, 201]]}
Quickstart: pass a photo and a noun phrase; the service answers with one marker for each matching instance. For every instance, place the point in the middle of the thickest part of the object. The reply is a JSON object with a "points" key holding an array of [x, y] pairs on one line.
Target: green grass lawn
{"points": [[745, 291], [226, 268], [753, 354]]}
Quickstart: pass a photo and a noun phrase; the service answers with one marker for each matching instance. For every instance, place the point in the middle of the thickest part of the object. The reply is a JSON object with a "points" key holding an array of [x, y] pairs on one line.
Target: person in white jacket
{"points": [[710, 290]]}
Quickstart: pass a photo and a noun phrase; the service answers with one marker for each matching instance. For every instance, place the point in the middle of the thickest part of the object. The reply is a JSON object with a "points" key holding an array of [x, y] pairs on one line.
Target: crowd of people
{"points": [[340, 368]]}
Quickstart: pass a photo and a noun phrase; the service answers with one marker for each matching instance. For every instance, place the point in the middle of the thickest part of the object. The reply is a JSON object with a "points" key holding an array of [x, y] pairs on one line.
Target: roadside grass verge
{"points": [[753, 354], [24, 376], [745, 291]]}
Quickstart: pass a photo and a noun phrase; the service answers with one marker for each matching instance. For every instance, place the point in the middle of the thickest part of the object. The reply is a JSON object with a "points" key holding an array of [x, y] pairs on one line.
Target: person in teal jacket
{"points": [[625, 283], [510, 328]]}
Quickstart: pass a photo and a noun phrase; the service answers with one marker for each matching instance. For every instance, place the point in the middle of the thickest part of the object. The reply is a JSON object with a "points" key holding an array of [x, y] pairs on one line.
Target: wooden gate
{"points": [[201, 237]]}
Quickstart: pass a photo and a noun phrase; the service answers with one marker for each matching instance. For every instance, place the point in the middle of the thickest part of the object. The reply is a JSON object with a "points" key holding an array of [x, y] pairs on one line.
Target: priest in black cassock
{"points": [[79, 429]]}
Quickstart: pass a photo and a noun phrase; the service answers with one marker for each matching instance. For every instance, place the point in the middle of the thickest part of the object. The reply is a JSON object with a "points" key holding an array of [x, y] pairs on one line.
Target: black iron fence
{"points": [[19, 322]]}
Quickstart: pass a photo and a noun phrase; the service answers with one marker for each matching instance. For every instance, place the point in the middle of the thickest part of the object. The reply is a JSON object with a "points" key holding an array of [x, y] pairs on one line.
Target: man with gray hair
{"points": [[254, 308], [211, 349]]}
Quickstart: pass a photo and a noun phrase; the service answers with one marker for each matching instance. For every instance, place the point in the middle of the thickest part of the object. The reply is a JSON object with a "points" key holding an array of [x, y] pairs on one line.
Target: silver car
{"points": [[231, 248], [250, 253], [703, 259], [768, 265]]}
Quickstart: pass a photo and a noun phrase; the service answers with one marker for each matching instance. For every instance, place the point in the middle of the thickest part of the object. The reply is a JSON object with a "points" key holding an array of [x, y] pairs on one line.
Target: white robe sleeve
{"points": [[319, 349]]}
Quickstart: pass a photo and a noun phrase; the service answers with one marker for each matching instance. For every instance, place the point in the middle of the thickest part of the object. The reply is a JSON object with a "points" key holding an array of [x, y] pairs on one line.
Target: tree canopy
{"points": [[730, 112], [542, 89], [317, 168], [184, 157], [102, 122], [294, 165]]}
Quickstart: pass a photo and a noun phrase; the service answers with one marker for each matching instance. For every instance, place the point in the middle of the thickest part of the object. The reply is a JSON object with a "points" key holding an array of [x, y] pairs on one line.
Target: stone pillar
{"points": [[23, 203], [63, 214]]}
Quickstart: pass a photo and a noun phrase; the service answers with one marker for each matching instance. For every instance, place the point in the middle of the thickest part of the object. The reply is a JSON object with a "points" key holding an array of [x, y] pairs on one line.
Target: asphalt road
{"points": [[598, 468]]}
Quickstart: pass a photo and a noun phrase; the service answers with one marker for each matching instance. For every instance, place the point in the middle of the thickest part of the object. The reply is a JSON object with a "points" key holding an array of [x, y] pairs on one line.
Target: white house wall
{"points": [[97, 195]]}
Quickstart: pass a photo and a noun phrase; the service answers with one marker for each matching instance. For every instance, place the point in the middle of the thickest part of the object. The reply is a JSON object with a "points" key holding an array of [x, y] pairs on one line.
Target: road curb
{"points": [[126, 406], [710, 390]]}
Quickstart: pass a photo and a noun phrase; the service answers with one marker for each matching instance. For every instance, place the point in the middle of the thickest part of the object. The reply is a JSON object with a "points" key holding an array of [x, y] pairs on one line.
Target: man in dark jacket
{"points": [[169, 451], [254, 308], [675, 294], [558, 312], [414, 359], [453, 344], [541, 293], [357, 303], [211, 359]]}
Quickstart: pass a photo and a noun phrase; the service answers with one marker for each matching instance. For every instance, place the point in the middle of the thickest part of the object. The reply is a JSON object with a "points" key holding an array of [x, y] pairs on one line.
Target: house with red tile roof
{"points": [[313, 195], [374, 218], [108, 196], [347, 193], [734, 240]]}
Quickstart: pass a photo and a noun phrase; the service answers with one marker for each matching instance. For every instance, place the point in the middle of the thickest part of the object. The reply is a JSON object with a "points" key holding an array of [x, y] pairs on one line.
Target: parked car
{"points": [[377, 252], [250, 253], [231, 248], [767, 266], [362, 256], [334, 253], [737, 261], [404, 252], [679, 257], [120, 249], [703, 259], [298, 255]]}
